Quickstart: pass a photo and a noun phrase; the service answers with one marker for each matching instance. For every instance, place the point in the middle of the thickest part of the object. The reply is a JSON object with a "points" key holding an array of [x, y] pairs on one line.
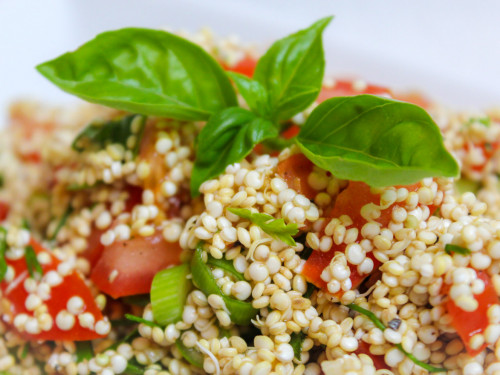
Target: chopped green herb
{"points": [[84, 351], [2, 181], [3, 249], [240, 312], [378, 323], [62, 222], [138, 300], [310, 290], [134, 369], [25, 224], [296, 341], [169, 291], [192, 355], [274, 227], [226, 265], [25, 351], [450, 249], [140, 320], [486, 121], [76, 187], [32, 261], [97, 136], [463, 185]]}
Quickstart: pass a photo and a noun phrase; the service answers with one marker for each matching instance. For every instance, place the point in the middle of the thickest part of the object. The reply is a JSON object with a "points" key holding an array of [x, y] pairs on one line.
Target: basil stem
{"points": [[378, 323], [240, 312], [140, 320]]}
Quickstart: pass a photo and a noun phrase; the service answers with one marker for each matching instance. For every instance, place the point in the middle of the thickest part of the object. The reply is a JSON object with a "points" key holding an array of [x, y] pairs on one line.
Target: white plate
{"points": [[448, 48]]}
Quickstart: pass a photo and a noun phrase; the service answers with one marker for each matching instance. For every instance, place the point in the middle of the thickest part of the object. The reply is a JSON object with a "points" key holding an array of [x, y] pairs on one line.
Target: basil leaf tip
{"points": [[151, 72], [379, 141], [450, 249]]}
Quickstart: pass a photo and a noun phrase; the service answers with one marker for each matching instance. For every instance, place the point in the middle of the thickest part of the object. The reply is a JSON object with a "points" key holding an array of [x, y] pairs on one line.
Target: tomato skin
{"points": [[4, 211], [378, 360], [466, 323], [295, 171], [348, 202], [488, 149], [72, 285], [136, 262]]}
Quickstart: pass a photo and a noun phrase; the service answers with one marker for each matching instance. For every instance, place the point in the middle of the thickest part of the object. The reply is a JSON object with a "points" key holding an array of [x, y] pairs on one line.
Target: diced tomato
{"points": [[295, 170], [31, 157], [127, 268], [72, 285], [349, 202], [245, 66], [468, 324], [488, 149], [4, 211], [378, 360]]}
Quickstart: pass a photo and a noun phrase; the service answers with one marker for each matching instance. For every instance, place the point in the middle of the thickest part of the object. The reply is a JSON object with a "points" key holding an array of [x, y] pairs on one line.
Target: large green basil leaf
{"points": [[379, 141], [227, 138], [144, 71], [292, 71]]}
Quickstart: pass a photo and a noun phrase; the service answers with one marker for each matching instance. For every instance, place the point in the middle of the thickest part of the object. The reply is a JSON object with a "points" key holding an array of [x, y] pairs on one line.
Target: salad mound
{"points": [[224, 213]]}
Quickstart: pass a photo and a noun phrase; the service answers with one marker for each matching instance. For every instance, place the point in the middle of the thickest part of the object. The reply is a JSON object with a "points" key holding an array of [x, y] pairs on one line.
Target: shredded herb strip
{"points": [[3, 249], [142, 321], [192, 355], [2, 180], [378, 323], [296, 341], [274, 227], [450, 249], [32, 262], [62, 222], [84, 351], [226, 265]]}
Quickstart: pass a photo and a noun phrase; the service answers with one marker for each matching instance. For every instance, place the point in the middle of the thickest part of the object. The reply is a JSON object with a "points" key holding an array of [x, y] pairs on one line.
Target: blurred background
{"points": [[448, 49]]}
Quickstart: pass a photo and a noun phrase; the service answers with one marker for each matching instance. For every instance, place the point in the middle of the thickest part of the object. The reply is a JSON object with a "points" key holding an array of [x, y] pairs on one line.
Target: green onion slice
{"points": [[168, 294]]}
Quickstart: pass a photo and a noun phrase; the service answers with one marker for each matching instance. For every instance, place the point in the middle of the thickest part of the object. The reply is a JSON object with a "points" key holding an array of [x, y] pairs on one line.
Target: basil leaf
{"points": [[274, 227], [253, 92], [192, 355], [450, 249], [97, 136], [84, 351], [62, 222], [144, 71], [2, 181], [379, 141], [32, 263], [292, 70], [227, 138], [225, 265]]}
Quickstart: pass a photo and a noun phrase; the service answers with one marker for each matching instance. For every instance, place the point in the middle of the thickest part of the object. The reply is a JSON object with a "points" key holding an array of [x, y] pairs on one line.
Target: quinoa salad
{"points": [[216, 210]]}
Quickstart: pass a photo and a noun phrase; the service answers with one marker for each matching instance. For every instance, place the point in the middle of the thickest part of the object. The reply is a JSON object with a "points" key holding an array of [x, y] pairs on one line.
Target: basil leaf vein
{"points": [[227, 138], [292, 70], [376, 140], [151, 72]]}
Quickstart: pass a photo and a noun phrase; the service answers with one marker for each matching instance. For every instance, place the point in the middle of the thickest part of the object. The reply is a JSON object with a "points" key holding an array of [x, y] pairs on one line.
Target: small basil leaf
{"points": [[379, 141], [227, 138], [145, 71], [97, 136], [296, 341], [84, 351], [292, 71], [274, 227], [3, 249], [253, 92]]}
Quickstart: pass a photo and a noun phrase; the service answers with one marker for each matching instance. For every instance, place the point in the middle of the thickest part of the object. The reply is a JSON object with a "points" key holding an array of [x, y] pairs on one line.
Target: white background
{"points": [[449, 49]]}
